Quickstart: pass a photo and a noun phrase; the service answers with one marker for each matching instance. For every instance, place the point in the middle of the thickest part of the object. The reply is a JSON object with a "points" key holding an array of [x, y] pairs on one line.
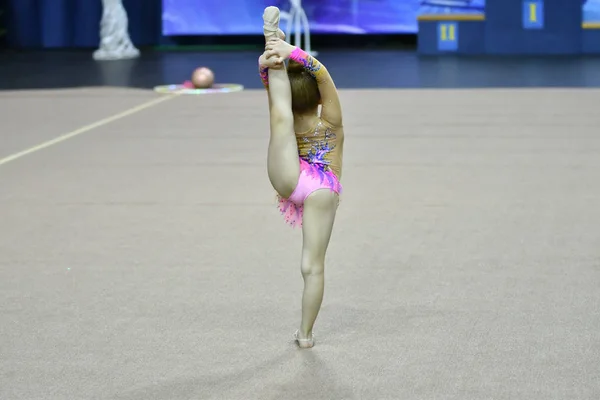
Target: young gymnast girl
{"points": [[304, 161]]}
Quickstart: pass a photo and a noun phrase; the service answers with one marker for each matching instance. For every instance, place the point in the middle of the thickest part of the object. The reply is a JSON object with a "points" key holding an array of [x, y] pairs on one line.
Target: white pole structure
{"points": [[297, 20], [115, 43]]}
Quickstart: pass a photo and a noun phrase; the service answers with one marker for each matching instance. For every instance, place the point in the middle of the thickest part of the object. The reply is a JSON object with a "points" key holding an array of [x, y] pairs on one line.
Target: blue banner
{"points": [[591, 12], [243, 17], [450, 7]]}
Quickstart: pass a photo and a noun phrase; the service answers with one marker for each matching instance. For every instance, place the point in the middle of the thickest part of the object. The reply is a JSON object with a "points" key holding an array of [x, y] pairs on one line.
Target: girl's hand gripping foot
{"points": [[280, 48], [273, 62]]}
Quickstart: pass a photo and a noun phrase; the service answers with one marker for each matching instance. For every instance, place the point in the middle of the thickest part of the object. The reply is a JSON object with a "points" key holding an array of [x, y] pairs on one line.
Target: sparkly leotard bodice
{"points": [[323, 146]]}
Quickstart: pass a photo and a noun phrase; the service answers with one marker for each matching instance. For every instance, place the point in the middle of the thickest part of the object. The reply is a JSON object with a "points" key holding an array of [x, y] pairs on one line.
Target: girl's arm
{"points": [[264, 63], [331, 110], [263, 71]]}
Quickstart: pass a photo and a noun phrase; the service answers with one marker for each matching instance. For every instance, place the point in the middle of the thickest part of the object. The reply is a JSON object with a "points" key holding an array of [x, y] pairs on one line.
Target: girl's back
{"points": [[322, 145]]}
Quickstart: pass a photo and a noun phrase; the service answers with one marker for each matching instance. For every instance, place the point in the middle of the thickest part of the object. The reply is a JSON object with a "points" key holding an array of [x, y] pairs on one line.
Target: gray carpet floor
{"points": [[146, 259]]}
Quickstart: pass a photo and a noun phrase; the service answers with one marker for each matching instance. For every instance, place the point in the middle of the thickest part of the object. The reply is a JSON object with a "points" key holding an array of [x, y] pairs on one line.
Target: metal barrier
{"points": [[297, 23]]}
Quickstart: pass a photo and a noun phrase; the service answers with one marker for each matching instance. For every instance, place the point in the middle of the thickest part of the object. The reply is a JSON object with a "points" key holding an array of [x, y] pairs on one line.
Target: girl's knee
{"points": [[312, 266]]}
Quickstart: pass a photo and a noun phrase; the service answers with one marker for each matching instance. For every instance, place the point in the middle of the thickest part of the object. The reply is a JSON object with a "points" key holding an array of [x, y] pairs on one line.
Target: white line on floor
{"points": [[85, 129]]}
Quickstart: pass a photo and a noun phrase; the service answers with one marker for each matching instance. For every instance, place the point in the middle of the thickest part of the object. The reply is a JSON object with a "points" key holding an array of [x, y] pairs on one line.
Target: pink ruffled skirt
{"points": [[312, 177]]}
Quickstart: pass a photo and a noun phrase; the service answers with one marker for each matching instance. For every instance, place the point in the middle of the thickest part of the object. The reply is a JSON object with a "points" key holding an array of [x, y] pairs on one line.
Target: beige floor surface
{"points": [[145, 259]]}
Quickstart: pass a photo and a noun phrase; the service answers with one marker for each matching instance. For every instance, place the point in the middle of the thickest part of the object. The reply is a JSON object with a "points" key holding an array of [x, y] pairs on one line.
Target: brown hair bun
{"points": [[295, 66]]}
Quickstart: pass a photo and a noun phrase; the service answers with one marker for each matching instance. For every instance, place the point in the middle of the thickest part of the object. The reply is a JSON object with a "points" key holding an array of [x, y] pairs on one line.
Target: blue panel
{"points": [[591, 41], [561, 33], [447, 36], [533, 14], [461, 37]]}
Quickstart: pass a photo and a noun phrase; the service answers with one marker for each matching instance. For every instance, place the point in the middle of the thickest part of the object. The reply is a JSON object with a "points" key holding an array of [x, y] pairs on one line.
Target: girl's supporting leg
{"points": [[317, 224]]}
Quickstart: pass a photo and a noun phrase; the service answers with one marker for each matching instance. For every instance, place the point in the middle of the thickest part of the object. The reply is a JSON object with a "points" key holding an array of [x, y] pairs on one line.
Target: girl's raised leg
{"points": [[283, 165]]}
